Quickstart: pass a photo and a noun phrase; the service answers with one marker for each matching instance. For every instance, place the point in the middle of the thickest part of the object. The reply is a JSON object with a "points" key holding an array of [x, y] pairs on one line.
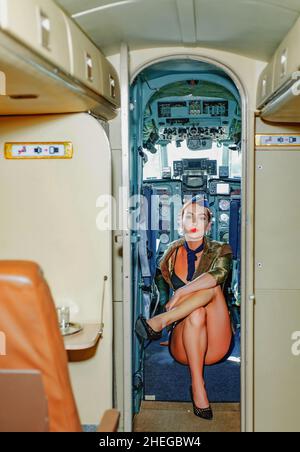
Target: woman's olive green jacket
{"points": [[215, 260]]}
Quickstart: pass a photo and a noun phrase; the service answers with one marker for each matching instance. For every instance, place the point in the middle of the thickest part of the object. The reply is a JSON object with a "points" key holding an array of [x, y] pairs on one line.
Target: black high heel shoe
{"points": [[204, 413], [144, 330]]}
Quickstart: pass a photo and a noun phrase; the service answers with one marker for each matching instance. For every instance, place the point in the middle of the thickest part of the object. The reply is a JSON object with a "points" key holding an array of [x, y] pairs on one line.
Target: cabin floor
{"points": [[179, 417], [168, 381]]}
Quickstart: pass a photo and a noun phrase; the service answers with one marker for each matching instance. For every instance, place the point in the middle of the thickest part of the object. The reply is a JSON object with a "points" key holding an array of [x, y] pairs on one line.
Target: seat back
{"points": [[23, 406], [33, 341]]}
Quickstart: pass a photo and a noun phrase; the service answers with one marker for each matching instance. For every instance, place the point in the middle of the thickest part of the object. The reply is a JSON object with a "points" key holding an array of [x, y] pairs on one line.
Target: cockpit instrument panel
{"points": [[223, 189], [219, 188], [177, 168], [200, 121], [192, 165], [198, 164], [223, 171], [211, 167], [199, 182], [165, 204], [198, 144], [215, 108], [195, 108], [198, 137], [168, 109], [224, 204], [184, 109]]}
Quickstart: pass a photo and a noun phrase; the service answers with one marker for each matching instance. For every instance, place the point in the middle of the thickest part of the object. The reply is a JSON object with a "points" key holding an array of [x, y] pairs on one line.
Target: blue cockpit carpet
{"points": [[168, 380]]}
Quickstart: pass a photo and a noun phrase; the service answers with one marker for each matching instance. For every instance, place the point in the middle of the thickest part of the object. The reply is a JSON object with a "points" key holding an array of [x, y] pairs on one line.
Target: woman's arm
{"points": [[212, 278], [204, 281]]}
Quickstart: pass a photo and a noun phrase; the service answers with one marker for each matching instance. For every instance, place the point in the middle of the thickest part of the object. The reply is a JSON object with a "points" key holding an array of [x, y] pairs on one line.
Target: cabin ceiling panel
{"points": [[76, 6], [252, 28], [286, 4], [141, 23]]}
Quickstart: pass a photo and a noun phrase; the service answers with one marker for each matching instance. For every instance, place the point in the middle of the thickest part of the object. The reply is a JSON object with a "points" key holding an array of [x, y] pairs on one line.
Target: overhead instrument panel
{"points": [[194, 108], [215, 108], [169, 109], [198, 121]]}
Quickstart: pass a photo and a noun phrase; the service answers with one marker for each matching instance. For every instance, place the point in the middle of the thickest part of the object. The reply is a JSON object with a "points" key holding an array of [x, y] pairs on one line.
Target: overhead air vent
{"points": [[264, 87], [112, 83], [283, 64], [89, 67], [45, 29]]}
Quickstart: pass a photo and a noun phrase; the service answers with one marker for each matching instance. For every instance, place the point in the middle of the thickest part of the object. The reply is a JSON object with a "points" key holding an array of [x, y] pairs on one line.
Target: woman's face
{"points": [[195, 221]]}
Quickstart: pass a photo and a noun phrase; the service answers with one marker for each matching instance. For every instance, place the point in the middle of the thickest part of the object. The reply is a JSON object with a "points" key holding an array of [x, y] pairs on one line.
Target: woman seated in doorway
{"points": [[196, 268]]}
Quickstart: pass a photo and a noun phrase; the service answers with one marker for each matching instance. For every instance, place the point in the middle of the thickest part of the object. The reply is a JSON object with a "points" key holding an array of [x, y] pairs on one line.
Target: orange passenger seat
{"points": [[33, 341]]}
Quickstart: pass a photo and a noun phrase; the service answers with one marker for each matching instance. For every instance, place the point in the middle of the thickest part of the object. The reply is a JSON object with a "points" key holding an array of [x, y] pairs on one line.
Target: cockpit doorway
{"points": [[186, 141]]}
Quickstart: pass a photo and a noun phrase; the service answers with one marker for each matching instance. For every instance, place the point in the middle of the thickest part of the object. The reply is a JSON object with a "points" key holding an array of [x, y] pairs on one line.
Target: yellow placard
{"points": [[38, 150]]}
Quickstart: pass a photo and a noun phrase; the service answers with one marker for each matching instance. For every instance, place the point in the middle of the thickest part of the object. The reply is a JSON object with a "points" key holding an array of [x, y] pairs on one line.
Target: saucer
{"points": [[73, 328]]}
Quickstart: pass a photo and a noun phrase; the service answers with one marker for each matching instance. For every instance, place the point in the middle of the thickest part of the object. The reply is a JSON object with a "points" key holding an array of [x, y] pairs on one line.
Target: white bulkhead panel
{"points": [[51, 210]]}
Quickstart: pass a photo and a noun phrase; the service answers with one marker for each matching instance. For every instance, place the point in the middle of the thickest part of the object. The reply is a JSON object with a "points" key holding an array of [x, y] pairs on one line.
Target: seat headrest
{"points": [[20, 272]]}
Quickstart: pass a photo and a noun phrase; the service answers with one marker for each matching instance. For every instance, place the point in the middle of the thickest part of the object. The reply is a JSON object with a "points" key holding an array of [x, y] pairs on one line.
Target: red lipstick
{"points": [[194, 230]]}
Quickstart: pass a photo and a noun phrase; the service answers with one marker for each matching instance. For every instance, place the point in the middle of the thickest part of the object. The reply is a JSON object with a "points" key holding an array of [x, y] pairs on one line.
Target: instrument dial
{"points": [[224, 204], [224, 218], [164, 238]]}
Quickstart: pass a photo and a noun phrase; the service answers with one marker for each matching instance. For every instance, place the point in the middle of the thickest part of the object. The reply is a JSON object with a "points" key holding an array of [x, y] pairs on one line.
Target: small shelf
{"points": [[85, 339]]}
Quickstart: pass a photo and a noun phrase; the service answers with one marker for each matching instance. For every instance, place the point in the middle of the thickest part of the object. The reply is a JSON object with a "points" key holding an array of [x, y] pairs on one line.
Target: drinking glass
{"points": [[63, 314]]}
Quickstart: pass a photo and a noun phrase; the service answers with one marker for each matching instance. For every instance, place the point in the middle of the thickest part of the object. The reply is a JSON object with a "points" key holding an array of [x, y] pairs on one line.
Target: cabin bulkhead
{"points": [[149, 159]]}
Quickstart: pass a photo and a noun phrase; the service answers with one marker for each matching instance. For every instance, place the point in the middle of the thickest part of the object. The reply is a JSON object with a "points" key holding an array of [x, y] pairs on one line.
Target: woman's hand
{"points": [[174, 301]]}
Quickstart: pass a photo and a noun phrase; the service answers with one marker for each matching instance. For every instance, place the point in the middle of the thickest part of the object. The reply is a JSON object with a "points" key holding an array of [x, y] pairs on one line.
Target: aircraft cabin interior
{"points": [[149, 155]]}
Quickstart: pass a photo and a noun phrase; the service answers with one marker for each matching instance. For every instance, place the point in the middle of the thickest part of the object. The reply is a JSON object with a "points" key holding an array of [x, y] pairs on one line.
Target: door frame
{"points": [[247, 237], [127, 259]]}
